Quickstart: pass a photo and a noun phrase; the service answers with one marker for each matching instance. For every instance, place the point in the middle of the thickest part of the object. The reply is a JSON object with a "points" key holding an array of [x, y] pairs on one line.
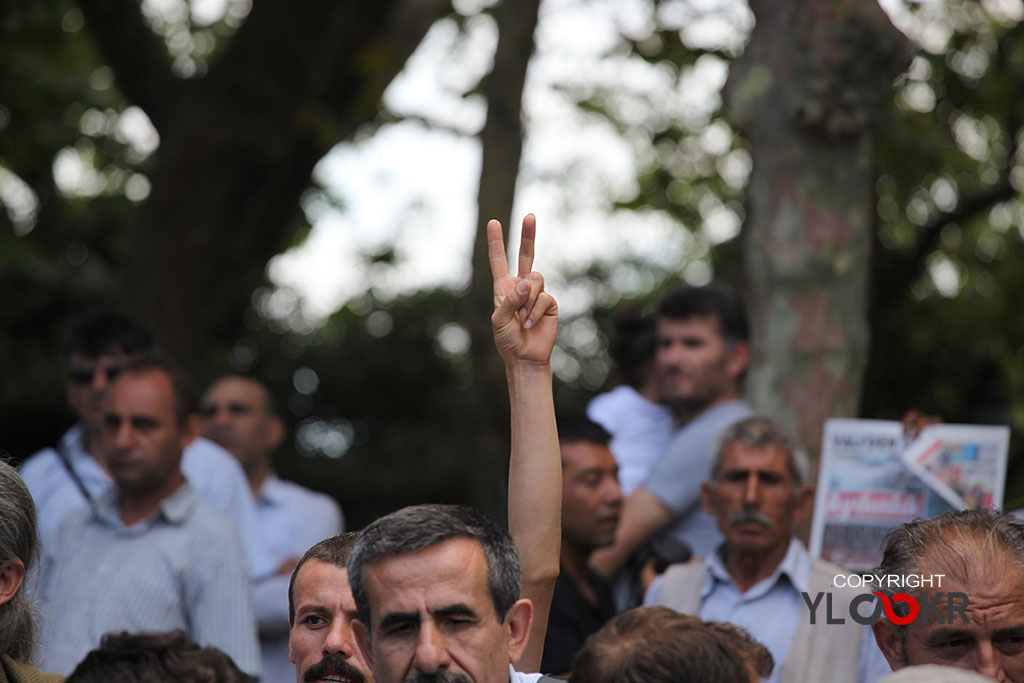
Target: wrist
{"points": [[525, 370]]}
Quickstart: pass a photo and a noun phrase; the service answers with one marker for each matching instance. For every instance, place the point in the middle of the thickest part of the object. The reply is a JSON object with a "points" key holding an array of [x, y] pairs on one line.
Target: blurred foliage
{"points": [[949, 242], [376, 395]]}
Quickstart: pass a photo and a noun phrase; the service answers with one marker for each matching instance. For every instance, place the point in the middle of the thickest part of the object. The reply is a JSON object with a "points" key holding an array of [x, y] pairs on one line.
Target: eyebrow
{"points": [[940, 634], [458, 609], [302, 609]]}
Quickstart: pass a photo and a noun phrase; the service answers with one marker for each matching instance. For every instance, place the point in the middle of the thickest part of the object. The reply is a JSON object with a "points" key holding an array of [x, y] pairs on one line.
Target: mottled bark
{"points": [[805, 93]]}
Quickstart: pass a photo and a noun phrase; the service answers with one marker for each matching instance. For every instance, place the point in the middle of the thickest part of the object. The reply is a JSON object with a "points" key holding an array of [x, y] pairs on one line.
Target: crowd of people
{"points": [[652, 539]]}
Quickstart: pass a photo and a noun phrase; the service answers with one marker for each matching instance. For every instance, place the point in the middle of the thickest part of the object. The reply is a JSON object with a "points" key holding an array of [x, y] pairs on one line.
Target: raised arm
{"points": [[525, 320]]}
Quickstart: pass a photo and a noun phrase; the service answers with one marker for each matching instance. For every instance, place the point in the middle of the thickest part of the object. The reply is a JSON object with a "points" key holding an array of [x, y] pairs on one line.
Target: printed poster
{"points": [[873, 479]]}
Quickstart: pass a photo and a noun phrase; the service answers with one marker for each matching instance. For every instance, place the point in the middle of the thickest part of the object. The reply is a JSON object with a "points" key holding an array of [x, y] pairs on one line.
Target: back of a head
{"points": [[101, 332], [684, 303], [18, 544], [632, 344], [658, 645], [155, 658]]}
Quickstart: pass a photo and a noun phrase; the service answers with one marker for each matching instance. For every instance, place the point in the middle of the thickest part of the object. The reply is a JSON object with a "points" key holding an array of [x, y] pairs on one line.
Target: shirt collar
{"points": [[174, 509], [270, 491], [795, 566]]}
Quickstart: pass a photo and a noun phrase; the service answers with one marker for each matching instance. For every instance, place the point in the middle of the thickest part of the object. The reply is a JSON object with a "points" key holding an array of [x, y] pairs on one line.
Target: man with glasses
{"points": [[66, 479]]}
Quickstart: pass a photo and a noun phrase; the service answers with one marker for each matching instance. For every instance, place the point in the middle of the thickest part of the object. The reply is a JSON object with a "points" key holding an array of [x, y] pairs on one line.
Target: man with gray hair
{"points": [[757, 490], [979, 553], [18, 548], [437, 590]]}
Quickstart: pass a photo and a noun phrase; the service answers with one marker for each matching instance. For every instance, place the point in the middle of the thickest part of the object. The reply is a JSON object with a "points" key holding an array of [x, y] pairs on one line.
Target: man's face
{"points": [[755, 497], [320, 642], [432, 615], [142, 440], [695, 365], [591, 497], [991, 644], [235, 415], [88, 381]]}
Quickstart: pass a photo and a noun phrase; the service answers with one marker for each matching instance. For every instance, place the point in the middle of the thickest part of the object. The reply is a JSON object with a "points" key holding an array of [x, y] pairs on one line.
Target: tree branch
{"points": [[136, 55]]}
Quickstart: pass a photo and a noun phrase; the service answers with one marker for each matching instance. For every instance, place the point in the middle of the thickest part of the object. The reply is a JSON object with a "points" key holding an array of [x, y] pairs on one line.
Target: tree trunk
{"points": [[502, 145], [805, 93], [238, 146]]}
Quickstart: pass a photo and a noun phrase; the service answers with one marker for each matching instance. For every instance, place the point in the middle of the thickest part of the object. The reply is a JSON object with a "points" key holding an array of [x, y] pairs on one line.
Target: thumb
{"points": [[512, 301]]}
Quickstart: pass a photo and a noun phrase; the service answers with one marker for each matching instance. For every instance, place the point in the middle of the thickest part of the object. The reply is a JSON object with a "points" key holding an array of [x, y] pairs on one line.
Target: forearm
{"points": [[643, 516], [534, 493]]}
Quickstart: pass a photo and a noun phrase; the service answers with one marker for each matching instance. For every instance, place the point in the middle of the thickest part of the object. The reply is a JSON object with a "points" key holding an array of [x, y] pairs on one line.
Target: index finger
{"points": [[496, 250], [526, 241]]}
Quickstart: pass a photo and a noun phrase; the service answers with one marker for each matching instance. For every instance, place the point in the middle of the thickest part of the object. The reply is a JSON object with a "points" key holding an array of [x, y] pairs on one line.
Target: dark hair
{"points": [[658, 645], [100, 332], [686, 302], [334, 551], [185, 393], [423, 526], [155, 658], [574, 427], [632, 344], [17, 542], [269, 404]]}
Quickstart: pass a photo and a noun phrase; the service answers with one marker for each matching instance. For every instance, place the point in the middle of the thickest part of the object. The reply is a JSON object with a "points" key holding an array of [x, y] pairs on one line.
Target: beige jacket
{"points": [[823, 652], [12, 671]]}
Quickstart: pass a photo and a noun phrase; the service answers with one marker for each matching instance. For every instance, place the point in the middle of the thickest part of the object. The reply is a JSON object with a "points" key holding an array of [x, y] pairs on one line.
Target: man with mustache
{"points": [[320, 614], [701, 339], [524, 323], [979, 553], [758, 489], [591, 499]]}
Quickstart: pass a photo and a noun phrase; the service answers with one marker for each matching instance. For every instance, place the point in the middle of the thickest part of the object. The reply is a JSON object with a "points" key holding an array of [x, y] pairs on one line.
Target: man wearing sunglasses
{"points": [[66, 479]]}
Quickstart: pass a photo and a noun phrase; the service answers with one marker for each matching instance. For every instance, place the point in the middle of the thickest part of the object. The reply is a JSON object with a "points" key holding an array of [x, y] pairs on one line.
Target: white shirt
{"points": [[640, 429], [517, 677]]}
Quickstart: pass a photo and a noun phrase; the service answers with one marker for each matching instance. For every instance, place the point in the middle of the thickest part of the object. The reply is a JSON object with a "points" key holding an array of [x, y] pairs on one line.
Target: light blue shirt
{"points": [[214, 474], [292, 519], [770, 608], [183, 568]]}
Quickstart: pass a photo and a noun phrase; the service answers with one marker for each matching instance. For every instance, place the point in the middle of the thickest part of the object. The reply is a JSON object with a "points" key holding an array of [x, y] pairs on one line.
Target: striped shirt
{"points": [[213, 472], [183, 568]]}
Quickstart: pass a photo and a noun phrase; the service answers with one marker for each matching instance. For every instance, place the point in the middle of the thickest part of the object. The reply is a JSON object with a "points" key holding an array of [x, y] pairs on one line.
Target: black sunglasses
{"points": [[83, 374]]}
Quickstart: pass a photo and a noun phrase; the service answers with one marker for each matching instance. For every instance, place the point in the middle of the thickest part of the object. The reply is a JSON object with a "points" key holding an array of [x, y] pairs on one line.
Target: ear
{"points": [[804, 502], [362, 635], [890, 643], [706, 491], [517, 627], [275, 432], [190, 430], [12, 574], [737, 359]]}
